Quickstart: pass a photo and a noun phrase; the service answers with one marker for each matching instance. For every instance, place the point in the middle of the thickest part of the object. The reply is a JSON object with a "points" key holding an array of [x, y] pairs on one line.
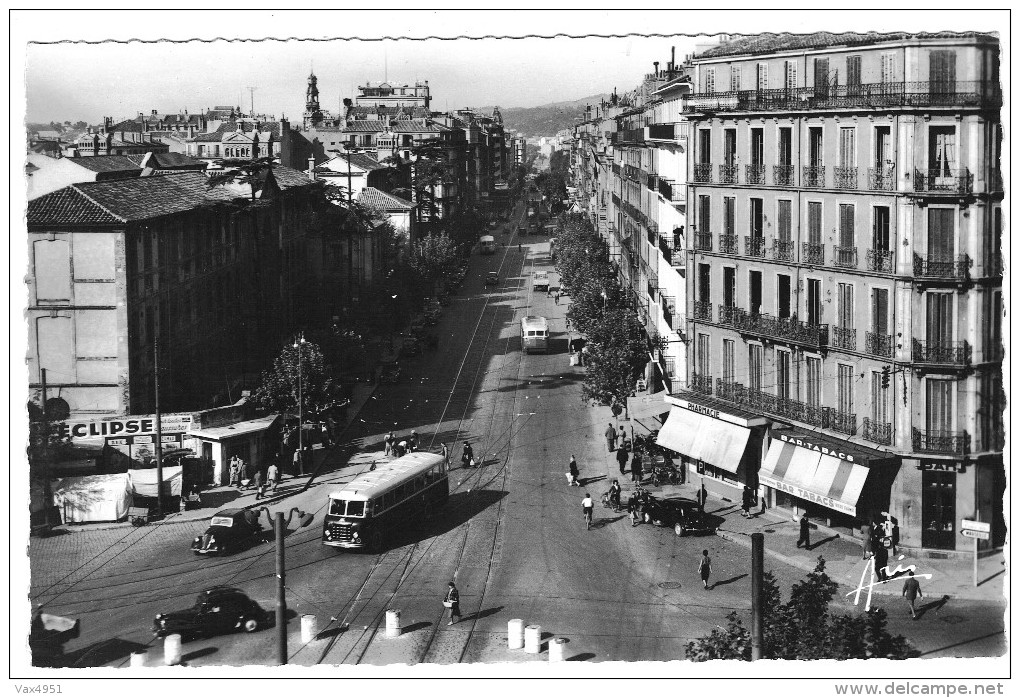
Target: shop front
{"points": [[254, 441], [716, 442], [837, 483]]}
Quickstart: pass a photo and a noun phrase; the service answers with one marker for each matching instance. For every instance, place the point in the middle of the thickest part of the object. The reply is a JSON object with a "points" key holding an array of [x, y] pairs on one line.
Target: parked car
{"points": [[390, 372], [682, 515], [492, 279], [229, 530], [217, 610]]}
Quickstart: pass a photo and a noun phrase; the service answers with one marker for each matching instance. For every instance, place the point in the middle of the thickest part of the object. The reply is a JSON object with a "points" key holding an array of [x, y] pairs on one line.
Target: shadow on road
{"points": [[198, 654], [420, 625], [932, 606], [101, 653], [728, 581], [486, 613], [582, 657], [820, 543], [461, 508], [600, 523]]}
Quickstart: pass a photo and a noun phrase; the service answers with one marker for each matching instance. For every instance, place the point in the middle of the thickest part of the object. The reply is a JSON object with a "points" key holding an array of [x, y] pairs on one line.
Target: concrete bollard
{"points": [[393, 623], [172, 650], [139, 658], [515, 634], [533, 639], [556, 649], [309, 628]]}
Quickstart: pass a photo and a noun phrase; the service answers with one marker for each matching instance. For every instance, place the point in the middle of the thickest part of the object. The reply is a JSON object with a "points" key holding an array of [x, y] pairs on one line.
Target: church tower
{"points": [[313, 113]]}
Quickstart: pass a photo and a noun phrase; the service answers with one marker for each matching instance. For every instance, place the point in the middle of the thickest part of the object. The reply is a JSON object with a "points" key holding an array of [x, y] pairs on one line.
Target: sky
{"points": [[72, 81]]}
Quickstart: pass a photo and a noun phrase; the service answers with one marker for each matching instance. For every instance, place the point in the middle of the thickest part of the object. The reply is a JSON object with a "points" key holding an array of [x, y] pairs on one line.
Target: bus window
{"points": [[355, 508], [337, 507], [387, 501], [419, 483]]}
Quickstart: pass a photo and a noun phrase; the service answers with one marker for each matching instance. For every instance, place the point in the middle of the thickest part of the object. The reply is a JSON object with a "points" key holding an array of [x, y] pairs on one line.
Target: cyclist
{"points": [[588, 506]]}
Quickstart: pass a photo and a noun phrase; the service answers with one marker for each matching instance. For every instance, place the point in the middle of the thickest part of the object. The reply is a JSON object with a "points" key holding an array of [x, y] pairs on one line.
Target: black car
{"points": [[217, 610], [229, 530], [683, 515], [492, 279]]}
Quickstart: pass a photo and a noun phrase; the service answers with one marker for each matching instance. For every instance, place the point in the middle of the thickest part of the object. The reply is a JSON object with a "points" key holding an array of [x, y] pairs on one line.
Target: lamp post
{"points": [[279, 528], [298, 344]]}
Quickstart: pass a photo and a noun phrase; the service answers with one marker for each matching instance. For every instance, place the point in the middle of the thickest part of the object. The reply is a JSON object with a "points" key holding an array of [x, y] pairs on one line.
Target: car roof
{"points": [[221, 591]]}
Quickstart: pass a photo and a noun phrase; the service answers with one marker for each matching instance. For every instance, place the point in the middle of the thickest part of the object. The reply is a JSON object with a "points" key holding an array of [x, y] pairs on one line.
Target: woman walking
{"points": [[452, 602], [705, 567]]}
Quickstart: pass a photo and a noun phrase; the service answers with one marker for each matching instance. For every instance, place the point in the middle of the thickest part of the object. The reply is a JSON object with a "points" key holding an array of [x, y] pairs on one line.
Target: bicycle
{"points": [[587, 518]]}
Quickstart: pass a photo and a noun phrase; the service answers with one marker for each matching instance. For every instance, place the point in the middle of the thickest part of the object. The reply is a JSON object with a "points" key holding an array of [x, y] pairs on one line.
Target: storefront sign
{"points": [[807, 495], [971, 525], [700, 409], [133, 440], [174, 423], [812, 446], [945, 466]]}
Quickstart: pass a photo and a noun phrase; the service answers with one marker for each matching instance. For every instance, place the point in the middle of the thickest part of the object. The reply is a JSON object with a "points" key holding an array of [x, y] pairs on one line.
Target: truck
{"points": [[540, 282]]}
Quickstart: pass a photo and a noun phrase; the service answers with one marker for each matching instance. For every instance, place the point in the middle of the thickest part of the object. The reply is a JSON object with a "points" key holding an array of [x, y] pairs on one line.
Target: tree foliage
{"points": [[432, 258], [278, 387], [804, 628]]}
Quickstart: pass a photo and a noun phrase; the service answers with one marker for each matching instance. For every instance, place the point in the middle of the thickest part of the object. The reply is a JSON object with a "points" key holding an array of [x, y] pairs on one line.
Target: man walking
{"points": [[635, 468], [805, 533], [452, 602], [388, 444], [273, 476], [257, 482], [912, 590], [610, 438], [621, 457], [573, 473], [745, 502], [705, 567]]}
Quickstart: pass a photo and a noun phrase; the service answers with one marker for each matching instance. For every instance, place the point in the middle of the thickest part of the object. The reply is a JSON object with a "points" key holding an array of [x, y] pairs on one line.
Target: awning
{"points": [[646, 406], [704, 438], [826, 480]]}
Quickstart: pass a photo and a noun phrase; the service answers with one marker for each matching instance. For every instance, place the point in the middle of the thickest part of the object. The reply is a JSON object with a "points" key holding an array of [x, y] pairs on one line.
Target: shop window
{"points": [[938, 510]]}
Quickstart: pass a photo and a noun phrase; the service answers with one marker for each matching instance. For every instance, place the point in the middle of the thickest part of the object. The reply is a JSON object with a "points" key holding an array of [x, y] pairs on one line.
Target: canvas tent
{"points": [[92, 497], [143, 482]]}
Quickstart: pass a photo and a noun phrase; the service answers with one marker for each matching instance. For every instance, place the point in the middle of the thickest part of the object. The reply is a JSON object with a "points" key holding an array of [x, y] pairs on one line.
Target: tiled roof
{"points": [[375, 198], [106, 163], [417, 126], [68, 206], [288, 178], [169, 161], [756, 44], [363, 161], [214, 137], [365, 126]]}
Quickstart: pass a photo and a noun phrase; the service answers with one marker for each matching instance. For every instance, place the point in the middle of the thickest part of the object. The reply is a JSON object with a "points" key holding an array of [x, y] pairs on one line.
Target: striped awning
{"points": [[704, 438], [832, 482]]}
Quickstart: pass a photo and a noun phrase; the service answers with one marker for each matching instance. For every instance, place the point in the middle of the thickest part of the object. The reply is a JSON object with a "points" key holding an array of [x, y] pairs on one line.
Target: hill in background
{"points": [[547, 119]]}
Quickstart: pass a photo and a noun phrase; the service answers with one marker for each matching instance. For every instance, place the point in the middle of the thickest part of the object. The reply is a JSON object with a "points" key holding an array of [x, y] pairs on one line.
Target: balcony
{"points": [[729, 390], [671, 191], [728, 244], [781, 329], [632, 173], [948, 443], [726, 314], [672, 253], [783, 250], [783, 175], [703, 310], [662, 132], [943, 181], [845, 177], [784, 407], [942, 266], [701, 383], [882, 178], [813, 253], [844, 338], [634, 136], [876, 432], [703, 173], [844, 257], [616, 169], [879, 344], [703, 242], [813, 176], [843, 422], [728, 174], [880, 260], [941, 353], [754, 174], [754, 246]]}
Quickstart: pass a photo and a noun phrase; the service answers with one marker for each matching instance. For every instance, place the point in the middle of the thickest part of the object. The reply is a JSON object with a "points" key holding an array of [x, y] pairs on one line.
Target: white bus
{"points": [[534, 334], [488, 244], [540, 282], [362, 511]]}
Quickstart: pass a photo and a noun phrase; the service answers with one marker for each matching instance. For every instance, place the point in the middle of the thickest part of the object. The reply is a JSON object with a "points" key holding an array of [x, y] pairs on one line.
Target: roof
{"points": [[230, 431], [359, 160], [376, 198], [169, 161], [105, 163], [756, 44], [288, 178], [365, 126], [388, 474]]}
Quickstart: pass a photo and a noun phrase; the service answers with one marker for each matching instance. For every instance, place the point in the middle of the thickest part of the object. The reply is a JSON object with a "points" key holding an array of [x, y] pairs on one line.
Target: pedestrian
{"points": [[868, 540], [911, 590], [705, 567], [235, 472], [702, 498], [761, 499], [556, 298], [881, 563], [452, 602], [745, 502], [635, 468], [324, 435], [297, 461], [273, 476], [621, 457], [573, 472], [622, 438], [634, 509], [805, 532], [610, 438], [257, 482], [388, 444], [412, 442], [401, 448], [467, 457], [548, 292]]}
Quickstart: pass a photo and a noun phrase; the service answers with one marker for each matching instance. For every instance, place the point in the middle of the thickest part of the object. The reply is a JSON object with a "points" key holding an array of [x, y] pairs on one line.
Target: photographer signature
{"points": [[869, 567]]}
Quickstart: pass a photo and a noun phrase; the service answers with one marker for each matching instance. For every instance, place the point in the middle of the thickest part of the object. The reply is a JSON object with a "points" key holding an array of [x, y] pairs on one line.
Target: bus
{"points": [[534, 334], [488, 244], [362, 512]]}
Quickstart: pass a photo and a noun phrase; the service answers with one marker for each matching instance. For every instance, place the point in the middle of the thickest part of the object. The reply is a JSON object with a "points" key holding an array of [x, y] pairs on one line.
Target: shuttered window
{"points": [[888, 67], [880, 230], [814, 209], [939, 318], [782, 374], [754, 366], [728, 372], [939, 405], [783, 215], [880, 311], [853, 71], [710, 80], [790, 77], [763, 76], [814, 381], [704, 355], [845, 305], [821, 76], [847, 147], [734, 79], [846, 225], [879, 399], [729, 215], [845, 388], [942, 71], [941, 244]]}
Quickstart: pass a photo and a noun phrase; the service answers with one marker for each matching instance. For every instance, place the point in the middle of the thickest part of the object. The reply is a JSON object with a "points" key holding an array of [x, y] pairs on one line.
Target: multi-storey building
{"points": [[845, 305], [125, 138]]}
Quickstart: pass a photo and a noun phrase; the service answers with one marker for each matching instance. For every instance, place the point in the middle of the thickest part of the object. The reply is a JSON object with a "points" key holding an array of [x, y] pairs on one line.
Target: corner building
{"points": [[845, 278]]}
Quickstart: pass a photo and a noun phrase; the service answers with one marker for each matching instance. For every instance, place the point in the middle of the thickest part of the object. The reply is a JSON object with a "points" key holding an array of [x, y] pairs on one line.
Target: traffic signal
{"points": [[885, 377]]}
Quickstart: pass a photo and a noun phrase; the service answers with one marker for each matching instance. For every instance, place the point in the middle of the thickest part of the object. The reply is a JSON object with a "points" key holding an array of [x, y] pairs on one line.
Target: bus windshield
{"points": [[343, 507]]}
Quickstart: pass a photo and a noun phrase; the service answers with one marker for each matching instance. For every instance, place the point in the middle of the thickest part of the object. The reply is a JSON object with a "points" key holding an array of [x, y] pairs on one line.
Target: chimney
{"points": [[311, 168], [656, 64], [672, 57], [154, 112]]}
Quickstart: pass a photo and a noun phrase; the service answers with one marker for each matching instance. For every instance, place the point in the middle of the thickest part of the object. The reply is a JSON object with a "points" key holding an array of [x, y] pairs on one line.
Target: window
{"points": [[704, 146], [734, 78], [783, 219], [814, 381], [847, 151], [754, 292], [704, 355], [815, 153], [729, 215], [821, 83], [942, 150], [879, 399], [757, 147], [730, 146], [782, 374], [709, 80], [754, 366], [705, 283], [845, 388], [763, 76], [814, 209], [880, 229], [883, 147], [814, 301], [853, 74], [941, 234], [729, 287], [942, 71], [846, 225], [939, 318], [880, 311], [704, 213], [783, 295], [756, 222], [938, 405], [790, 75], [785, 147], [888, 68], [845, 305], [728, 372]]}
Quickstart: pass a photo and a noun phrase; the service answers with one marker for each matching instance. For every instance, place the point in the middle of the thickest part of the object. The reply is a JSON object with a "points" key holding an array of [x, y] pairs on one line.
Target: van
{"points": [[541, 281], [534, 334], [488, 244]]}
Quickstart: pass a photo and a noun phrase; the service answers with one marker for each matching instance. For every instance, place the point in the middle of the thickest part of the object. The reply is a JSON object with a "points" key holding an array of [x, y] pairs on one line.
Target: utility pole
{"points": [[301, 430], [281, 599], [159, 433], [251, 90], [757, 572]]}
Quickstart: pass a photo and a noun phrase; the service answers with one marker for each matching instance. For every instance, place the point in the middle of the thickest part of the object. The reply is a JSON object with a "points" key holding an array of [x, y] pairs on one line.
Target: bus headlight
{"points": [[329, 534], [354, 536]]}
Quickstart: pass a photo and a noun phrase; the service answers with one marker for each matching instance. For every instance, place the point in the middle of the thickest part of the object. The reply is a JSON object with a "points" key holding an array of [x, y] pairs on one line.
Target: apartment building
{"points": [[845, 298]]}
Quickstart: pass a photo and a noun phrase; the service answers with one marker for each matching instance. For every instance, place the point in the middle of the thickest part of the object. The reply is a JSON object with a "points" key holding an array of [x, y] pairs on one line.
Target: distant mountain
{"points": [[547, 119]]}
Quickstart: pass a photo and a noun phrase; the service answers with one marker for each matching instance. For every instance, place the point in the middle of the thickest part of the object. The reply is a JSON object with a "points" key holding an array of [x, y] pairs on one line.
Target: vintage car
{"points": [[390, 372], [229, 530], [682, 515], [492, 279], [217, 610]]}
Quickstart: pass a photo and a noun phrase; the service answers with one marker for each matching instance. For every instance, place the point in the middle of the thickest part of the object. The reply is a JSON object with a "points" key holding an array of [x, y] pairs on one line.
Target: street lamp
{"points": [[298, 343]]}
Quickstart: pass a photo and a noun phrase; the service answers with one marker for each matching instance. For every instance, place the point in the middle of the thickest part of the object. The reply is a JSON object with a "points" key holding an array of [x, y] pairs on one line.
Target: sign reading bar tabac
{"points": [[170, 423]]}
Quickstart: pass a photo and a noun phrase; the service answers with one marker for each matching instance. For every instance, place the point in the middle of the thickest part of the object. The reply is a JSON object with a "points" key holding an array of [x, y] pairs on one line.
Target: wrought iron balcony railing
{"points": [[783, 175], [703, 310], [671, 191], [760, 400], [876, 432], [844, 257], [783, 329], [728, 174], [845, 177], [813, 176], [813, 253], [843, 422], [944, 181], [701, 383], [728, 244], [703, 242], [880, 260], [844, 338], [941, 352], [754, 174], [882, 178], [950, 443], [754, 246], [726, 313], [879, 344], [703, 173], [783, 250], [941, 266]]}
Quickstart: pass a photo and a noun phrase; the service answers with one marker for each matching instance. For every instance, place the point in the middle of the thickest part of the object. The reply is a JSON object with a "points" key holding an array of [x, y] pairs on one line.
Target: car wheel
{"points": [[679, 530], [251, 625]]}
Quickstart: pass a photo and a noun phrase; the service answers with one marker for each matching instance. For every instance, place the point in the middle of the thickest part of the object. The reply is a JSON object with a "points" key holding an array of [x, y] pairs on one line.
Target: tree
{"points": [[617, 351], [432, 258], [278, 388], [804, 628]]}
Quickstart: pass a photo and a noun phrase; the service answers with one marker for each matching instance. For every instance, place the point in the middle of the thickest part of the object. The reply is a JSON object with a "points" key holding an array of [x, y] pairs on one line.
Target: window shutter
{"points": [[888, 67], [814, 222], [791, 75], [880, 311], [763, 76], [784, 220], [846, 225]]}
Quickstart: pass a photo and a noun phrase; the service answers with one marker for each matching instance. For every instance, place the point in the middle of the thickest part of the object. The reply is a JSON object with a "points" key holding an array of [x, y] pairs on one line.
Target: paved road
{"points": [[511, 535]]}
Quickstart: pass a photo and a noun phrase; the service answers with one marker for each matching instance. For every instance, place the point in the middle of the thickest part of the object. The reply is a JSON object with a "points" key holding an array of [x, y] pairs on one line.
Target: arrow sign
{"points": [[971, 533], [976, 526]]}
